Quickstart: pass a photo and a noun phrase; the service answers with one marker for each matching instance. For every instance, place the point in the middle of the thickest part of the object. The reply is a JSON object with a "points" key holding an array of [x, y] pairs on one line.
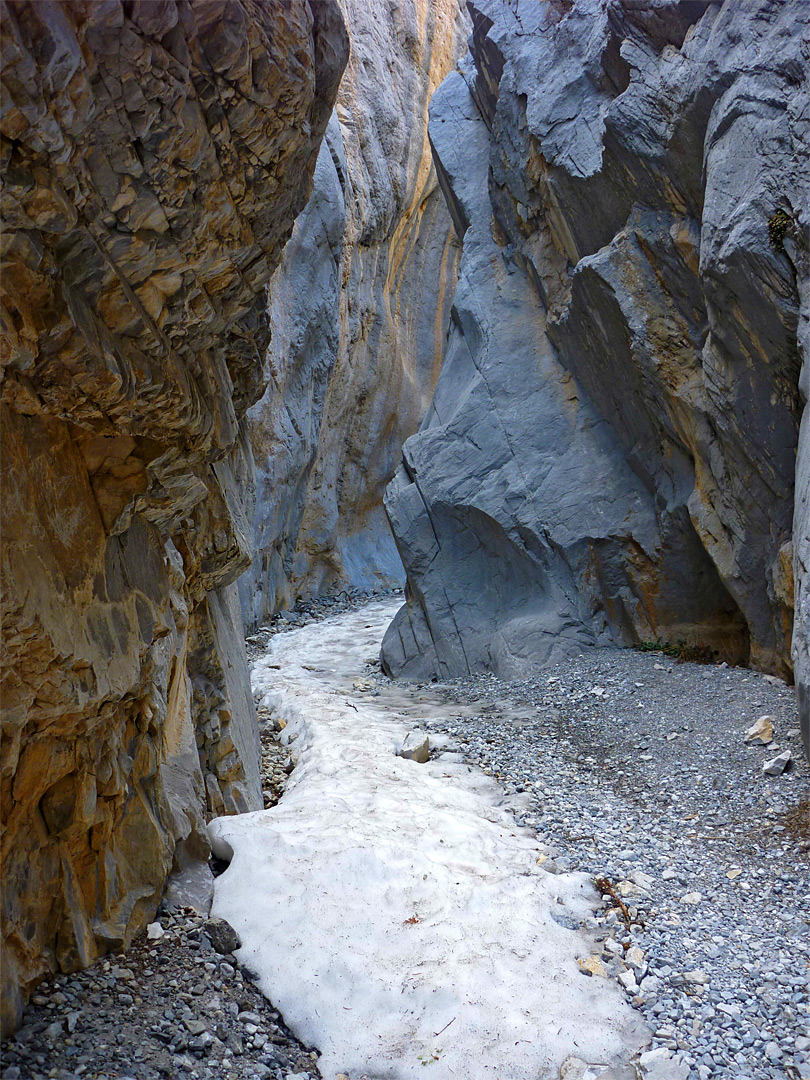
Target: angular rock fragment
{"points": [[222, 936], [777, 765], [761, 731], [415, 747]]}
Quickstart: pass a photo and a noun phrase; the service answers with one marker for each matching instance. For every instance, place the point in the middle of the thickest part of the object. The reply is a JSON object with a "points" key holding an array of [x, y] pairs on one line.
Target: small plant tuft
{"points": [[428, 1059], [780, 223], [682, 652]]}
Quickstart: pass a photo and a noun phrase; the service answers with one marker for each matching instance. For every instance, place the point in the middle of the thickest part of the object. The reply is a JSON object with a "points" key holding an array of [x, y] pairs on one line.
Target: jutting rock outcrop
{"points": [[359, 306], [611, 448], [154, 157]]}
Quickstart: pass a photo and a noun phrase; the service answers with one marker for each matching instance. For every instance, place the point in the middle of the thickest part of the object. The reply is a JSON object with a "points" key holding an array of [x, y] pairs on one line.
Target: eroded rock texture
{"points": [[359, 307], [154, 156], [611, 448], [801, 513]]}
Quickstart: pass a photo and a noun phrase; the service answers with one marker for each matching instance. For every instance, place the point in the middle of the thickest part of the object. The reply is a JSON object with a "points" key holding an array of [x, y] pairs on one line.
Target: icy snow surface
{"points": [[393, 911]]}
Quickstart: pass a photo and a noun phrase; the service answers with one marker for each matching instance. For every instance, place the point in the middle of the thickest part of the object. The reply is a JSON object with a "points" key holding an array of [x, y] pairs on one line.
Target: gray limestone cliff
{"points": [[359, 308], [154, 157], [610, 453]]}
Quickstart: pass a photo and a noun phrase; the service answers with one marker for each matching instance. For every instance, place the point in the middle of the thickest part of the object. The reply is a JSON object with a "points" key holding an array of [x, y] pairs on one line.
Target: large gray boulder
{"points": [[610, 451]]}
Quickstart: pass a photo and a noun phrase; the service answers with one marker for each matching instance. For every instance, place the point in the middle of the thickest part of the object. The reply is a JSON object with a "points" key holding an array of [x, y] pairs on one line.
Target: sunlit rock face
{"points": [[154, 157], [359, 307], [611, 450]]}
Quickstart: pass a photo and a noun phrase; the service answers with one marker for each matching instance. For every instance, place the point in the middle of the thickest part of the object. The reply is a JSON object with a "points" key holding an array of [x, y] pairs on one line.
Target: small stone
{"points": [[661, 1064], [761, 731], [592, 965], [194, 1027], [415, 747], [72, 1020], [773, 1052], [154, 931], [634, 957], [692, 898], [644, 881], [776, 766], [698, 978], [222, 936], [628, 981], [574, 1068], [629, 888]]}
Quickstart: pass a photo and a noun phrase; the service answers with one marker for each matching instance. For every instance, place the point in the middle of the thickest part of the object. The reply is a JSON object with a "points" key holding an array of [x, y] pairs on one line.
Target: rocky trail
{"points": [[617, 767]]}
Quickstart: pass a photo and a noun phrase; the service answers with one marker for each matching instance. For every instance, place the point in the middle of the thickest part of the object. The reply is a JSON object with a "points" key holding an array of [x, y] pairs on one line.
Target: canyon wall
{"points": [[154, 158], [611, 449], [359, 307], [801, 512]]}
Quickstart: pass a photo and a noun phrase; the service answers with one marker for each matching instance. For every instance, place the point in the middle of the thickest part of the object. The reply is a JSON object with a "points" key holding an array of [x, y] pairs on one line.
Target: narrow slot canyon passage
{"points": [[382, 899], [394, 914], [405, 540]]}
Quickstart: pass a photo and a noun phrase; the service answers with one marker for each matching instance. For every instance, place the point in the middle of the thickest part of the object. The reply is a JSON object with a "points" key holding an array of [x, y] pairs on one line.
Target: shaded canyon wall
{"points": [[359, 308], [154, 158], [611, 449]]}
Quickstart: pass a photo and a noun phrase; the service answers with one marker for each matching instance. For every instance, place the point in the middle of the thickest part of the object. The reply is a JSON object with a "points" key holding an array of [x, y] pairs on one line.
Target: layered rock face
{"points": [[154, 158], [359, 308], [611, 449], [801, 512]]}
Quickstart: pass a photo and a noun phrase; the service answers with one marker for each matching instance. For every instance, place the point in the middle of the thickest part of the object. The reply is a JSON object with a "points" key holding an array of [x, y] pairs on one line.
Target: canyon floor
{"points": [[619, 767]]}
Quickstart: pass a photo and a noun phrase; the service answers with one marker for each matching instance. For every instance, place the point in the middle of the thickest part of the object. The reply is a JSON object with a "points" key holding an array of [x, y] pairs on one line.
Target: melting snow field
{"points": [[393, 911]]}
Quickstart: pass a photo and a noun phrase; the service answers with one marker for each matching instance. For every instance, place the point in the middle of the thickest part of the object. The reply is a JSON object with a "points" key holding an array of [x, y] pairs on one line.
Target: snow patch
{"points": [[393, 911]]}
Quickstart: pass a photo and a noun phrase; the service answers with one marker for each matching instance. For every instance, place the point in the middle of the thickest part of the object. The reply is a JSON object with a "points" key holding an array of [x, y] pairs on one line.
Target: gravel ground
{"points": [[633, 768], [630, 767], [172, 1007]]}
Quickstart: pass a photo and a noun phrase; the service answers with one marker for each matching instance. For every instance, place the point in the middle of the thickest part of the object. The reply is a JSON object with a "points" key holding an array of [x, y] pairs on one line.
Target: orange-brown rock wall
{"points": [[154, 156]]}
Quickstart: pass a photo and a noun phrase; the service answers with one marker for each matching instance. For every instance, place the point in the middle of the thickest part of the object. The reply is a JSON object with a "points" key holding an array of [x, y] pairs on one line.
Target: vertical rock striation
{"points": [[611, 448], [359, 308], [154, 157], [801, 511]]}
